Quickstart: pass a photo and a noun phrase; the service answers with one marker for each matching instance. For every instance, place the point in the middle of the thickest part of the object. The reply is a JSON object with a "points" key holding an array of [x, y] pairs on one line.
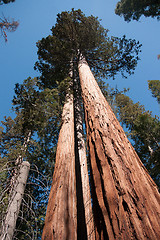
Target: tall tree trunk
{"points": [[9, 224], [85, 224], [126, 202], [60, 222]]}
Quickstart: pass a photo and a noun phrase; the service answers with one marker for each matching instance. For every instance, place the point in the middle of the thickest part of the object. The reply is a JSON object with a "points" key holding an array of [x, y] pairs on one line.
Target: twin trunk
{"points": [[125, 198], [69, 211]]}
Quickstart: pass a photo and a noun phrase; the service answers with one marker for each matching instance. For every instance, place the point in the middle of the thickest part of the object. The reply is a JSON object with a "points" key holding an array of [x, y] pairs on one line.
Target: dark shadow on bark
{"points": [[81, 221], [97, 212]]}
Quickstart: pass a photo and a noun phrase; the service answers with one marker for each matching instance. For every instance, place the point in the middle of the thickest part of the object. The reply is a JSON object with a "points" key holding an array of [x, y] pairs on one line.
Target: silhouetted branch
{"points": [[7, 25]]}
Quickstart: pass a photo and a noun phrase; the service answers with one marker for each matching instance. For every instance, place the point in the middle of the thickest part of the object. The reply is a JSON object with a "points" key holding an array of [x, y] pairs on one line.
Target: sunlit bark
{"points": [[126, 202], [61, 216]]}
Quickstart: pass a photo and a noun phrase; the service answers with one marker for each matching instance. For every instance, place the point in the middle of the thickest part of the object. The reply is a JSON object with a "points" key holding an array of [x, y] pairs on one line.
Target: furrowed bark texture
{"points": [[85, 224], [126, 202], [9, 224], [60, 221]]}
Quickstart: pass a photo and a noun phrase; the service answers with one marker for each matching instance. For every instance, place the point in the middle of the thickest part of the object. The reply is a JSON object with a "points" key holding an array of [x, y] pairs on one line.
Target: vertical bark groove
{"points": [[85, 224], [127, 196]]}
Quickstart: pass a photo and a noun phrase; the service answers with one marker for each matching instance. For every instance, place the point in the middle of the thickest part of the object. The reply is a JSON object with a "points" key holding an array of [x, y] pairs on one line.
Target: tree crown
{"points": [[75, 33]]}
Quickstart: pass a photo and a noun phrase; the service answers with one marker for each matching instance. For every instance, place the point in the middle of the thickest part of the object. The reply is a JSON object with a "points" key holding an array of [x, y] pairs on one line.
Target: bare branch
{"points": [[7, 25]]}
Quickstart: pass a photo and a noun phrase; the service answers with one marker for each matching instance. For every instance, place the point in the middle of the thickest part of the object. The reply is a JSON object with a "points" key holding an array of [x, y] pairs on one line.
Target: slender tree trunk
{"points": [[9, 224], [60, 222], [17, 188], [126, 202], [19, 161], [85, 224]]}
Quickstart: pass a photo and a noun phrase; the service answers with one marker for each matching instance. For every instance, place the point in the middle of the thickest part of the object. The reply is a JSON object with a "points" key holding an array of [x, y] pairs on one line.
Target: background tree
{"points": [[154, 86], [143, 130], [134, 9], [37, 112], [14, 201]]}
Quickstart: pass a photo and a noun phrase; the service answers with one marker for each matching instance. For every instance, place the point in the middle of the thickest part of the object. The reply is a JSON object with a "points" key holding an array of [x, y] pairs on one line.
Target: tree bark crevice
{"points": [[85, 224]]}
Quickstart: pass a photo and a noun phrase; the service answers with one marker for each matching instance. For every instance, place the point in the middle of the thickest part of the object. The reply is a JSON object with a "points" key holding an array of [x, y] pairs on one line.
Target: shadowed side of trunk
{"points": [[60, 221], [85, 224], [126, 202]]}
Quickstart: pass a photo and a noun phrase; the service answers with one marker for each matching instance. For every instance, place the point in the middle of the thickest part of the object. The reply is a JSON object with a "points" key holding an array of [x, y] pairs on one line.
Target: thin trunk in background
{"points": [[19, 161], [16, 191], [60, 221], [126, 202], [9, 223]]}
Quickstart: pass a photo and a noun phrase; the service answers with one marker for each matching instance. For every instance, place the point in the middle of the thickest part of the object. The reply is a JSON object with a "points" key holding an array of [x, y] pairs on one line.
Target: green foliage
{"points": [[74, 33], [154, 86], [144, 131], [134, 9], [37, 111]]}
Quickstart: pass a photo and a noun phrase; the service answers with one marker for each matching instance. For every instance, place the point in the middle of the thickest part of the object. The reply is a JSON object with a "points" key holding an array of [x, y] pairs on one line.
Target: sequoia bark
{"points": [[126, 202], [60, 221]]}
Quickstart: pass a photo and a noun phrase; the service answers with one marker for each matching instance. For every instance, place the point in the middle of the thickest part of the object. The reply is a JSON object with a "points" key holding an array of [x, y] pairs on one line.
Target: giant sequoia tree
{"points": [[121, 206], [120, 183]]}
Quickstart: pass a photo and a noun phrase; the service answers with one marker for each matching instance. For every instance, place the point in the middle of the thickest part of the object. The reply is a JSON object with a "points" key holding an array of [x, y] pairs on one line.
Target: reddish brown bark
{"points": [[126, 202], [60, 222]]}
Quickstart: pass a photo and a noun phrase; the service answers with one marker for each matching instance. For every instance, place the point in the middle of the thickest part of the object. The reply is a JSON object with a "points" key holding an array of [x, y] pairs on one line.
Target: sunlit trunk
{"points": [[126, 202], [60, 221]]}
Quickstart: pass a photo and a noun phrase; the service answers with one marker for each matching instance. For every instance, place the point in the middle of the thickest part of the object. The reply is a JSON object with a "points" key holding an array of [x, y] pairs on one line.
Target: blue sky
{"points": [[36, 17]]}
